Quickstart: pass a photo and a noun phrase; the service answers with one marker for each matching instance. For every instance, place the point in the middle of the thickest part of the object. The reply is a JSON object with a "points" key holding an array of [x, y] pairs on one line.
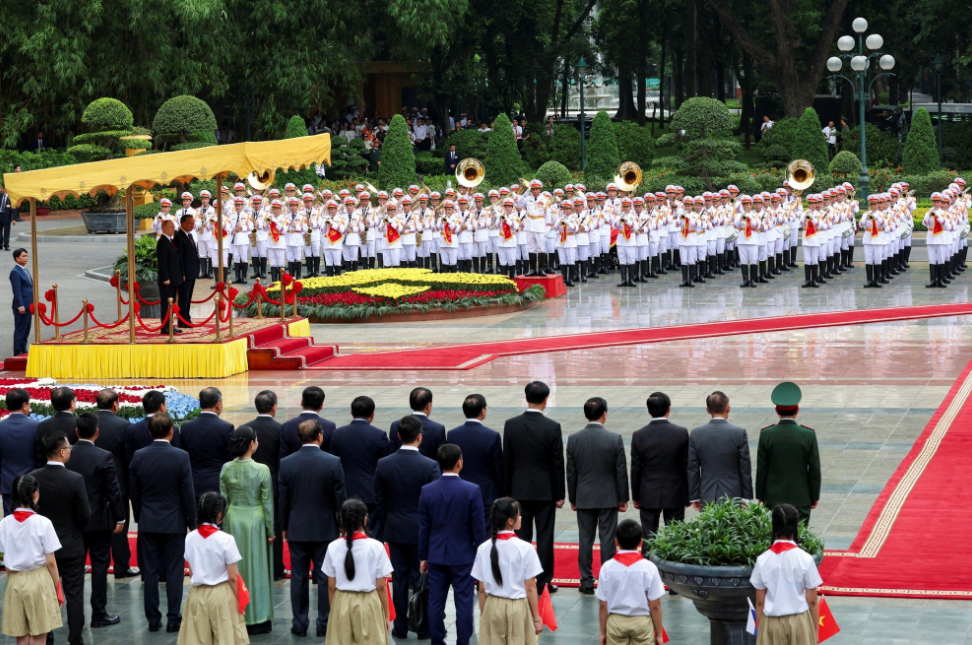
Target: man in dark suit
{"points": [[718, 460], [18, 444], [597, 486], [450, 529], [268, 453], [189, 254], [171, 276], [64, 501], [112, 431], [482, 450], [206, 438], [22, 284], [311, 493], [659, 467], [63, 400], [451, 160], [433, 434], [399, 479], [138, 435], [6, 218], [164, 503], [311, 402], [359, 445], [533, 470], [39, 144], [97, 467]]}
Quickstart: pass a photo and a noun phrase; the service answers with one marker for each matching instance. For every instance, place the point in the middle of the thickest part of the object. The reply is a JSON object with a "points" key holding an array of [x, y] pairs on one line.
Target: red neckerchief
{"points": [[627, 559], [206, 530], [22, 514], [782, 547], [505, 535], [359, 535]]}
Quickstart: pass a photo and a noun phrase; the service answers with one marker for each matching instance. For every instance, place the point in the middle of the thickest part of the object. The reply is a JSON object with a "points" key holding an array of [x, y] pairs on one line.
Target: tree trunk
{"points": [[564, 93], [626, 107], [661, 78], [678, 80], [690, 49], [721, 82], [704, 45], [748, 104], [642, 94]]}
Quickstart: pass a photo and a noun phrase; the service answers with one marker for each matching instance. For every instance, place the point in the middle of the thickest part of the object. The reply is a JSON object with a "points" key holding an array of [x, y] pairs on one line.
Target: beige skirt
{"points": [[212, 617], [506, 622], [795, 629], [630, 630], [356, 619], [30, 603]]}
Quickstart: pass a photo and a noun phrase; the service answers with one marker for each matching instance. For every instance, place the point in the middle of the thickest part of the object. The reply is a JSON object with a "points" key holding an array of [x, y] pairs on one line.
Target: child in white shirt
{"points": [[630, 588], [507, 569], [356, 568], [786, 581]]}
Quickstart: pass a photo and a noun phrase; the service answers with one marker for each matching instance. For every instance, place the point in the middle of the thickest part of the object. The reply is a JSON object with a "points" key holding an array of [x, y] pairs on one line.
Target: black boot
{"points": [[698, 272], [872, 274], [807, 274], [770, 267], [645, 270], [255, 263], [653, 267], [263, 268], [774, 267], [792, 258], [624, 276], [745, 275], [596, 268], [710, 264], [666, 263], [828, 268], [686, 277], [762, 273], [582, 272], [943, 281], [753, 275], [337, 267], [835, 270], [633, 271], [532, 265], [722, 263], [565, 275], [329, 271], [274, 274], [815, 278], [933, 272], [884, 272], [243, 268], [489, 263], [781, 264]]}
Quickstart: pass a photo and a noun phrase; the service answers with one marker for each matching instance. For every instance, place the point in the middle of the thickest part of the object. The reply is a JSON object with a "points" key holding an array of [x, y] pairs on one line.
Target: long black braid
{"points": [[502, 510], [353, 514]]}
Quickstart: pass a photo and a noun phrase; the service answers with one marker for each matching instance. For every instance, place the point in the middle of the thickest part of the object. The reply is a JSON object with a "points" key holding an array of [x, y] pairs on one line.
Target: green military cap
{"points": [[786, 395]]}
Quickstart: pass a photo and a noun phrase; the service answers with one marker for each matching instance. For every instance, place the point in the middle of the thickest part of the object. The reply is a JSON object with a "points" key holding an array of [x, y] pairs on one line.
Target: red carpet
{"points": [[468, 356], [911, 544]]}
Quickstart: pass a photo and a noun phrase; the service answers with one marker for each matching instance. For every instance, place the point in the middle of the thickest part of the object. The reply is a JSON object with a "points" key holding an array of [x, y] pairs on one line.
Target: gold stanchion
{"points": [[295, 304], [118, 292], [84, 304], [229, 312], [216, 300], [57, 316], [36, 275], [283, 302], [168, 314], [259, 299]]}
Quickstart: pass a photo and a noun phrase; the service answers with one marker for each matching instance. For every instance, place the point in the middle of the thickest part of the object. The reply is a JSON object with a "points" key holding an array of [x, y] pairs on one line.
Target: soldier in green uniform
{"points": [[788, 460]]}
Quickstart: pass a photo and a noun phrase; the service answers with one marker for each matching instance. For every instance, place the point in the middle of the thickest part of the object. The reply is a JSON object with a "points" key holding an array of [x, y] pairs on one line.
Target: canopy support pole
{"points": [[219, 245], [130, 234], [33, 260]]}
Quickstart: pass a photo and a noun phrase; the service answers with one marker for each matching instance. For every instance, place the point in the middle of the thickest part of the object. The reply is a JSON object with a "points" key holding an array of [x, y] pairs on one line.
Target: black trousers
{"points": [[278, 561], [21, 331], [98, 546], [650, 518], [5, 233], [589, 520], [71, 571], [185, 300], [162, 553], [405, 560], [121, 552], [541, 514], [301, 556], [166, 292]]}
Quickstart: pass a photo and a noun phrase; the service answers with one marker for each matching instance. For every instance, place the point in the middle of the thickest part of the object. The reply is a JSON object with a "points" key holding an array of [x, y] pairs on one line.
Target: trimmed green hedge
{"points": [[502, 160], [182, 116], [920, 154], [295, 128], [635, 143], [397, 159], [469, 143], [603, 157]]}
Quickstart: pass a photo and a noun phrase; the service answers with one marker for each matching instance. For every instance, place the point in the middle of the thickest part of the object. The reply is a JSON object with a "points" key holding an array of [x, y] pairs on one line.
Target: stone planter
{"points": [[719, 594], [105, 222]]}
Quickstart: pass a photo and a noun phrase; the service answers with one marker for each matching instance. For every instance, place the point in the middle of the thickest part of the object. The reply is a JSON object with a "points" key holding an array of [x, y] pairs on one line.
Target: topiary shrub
{"points": [[427, 163], [109, 120], [635, 143], [701, 132], [346, 161], [503, 163], [882, 148], [553, 174], [845, 164], [196, 140], [397, 167], [783, 134], [295, 128], [920, 154], [182, 116], [776, 155], [810, 142], [469, 143], [603, 157]]}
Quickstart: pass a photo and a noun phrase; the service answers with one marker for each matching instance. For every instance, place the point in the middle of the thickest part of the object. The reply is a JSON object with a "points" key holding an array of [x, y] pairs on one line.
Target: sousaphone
{"points": [[628, 177]]}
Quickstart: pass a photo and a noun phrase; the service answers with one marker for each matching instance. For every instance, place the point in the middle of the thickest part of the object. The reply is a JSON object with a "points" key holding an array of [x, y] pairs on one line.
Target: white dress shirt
{"points": [[628, 589], [25, 545], [518, 562], [370, 563], [785, 577], [209, 557]]}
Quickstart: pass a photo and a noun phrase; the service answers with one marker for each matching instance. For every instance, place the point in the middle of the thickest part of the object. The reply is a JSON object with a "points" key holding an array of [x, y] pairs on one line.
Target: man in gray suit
{"points": [[597, 486], [718, 463]]}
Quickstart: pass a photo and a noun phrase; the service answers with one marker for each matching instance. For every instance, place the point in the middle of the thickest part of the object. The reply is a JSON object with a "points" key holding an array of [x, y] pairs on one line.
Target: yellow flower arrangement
{"points": [[392, 290], [375, 277]]}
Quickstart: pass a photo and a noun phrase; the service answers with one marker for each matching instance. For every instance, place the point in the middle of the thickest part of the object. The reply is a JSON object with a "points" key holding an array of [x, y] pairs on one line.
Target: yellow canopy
{"points": [[164, 168]]}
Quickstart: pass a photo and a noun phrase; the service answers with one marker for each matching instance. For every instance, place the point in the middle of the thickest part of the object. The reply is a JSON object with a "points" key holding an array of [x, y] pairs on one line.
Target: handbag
{"points": [[418, 603]]}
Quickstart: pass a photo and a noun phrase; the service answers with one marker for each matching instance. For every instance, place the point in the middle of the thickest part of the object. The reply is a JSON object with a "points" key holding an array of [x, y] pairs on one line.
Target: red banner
{"points": [[392, 234], [274, 232], [507, 231], [447, 233], [333, 234]]}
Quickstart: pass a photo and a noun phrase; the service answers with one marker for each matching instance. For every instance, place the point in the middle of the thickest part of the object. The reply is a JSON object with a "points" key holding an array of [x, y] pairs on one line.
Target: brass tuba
{"points": [[628, 176], [260, 181], [470, 172], [799, 174]]}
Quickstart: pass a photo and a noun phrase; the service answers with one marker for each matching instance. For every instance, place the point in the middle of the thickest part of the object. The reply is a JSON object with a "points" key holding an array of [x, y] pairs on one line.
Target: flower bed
{"points": [[380, 292], [181, 407]]}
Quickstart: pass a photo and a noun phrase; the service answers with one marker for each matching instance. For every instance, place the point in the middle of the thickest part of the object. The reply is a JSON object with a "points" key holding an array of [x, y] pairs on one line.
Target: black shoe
{"points": [[587, 591], [173, 628], [105, 621], [154, 627], [293, 630], [553, 588], [127, 573], [282, 576]]}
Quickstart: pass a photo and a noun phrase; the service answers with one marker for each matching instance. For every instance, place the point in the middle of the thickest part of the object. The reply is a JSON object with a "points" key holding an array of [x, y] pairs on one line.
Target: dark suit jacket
{"points": [[451, 524], [97, 467], [290, 442], [188, 252], [718, 462], [23, 289], [597, 472], [399, 479], [451, 161], [64, 501], [659, 465], [533, 458], [161, 490], [433, 436], [64, 422], [359, 445], [482, 458], [268, 452], [206, 438], [170, 264], [788, 465], [138, 436], [311, 493], [111, 437], [18, 449], [6, 209]]}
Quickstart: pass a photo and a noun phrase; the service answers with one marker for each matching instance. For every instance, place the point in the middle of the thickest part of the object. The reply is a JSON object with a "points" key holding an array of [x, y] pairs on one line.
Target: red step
{"points": [[287, 353], [15, 364]]}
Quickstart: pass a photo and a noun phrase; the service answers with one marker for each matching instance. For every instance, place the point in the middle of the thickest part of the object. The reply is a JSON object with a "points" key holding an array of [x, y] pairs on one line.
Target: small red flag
{"points": [[547, 615], [392, 234], [60, 594], [665, 637], [614, 237], [274, 232], [333, 234], [391, 606], [507, 231], [242, 593], [828, 626]]}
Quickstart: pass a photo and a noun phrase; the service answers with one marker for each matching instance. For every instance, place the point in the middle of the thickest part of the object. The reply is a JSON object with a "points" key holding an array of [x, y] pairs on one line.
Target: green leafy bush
{"points": [[724, 534], [397, 159], [70, 202], [553, 174], [920, 155], [181, 116], [958, 136], [146, 260], [295, 128], [845, 164], [701, 132], [776, 155], [469, 143], [346, 159], [502, 160], [882, 148], [783, 134], [109, 120], [427, 163], [603, 157], [635, 143], [810, 142]]}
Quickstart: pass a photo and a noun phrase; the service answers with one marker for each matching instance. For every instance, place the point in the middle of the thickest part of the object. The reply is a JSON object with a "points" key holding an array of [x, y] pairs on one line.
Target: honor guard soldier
{"points": [[494, 210], [242, 227], [747, 242], [449, 244], [626, 223], [333, 225], [164, 214], [261, 232], [312, 251], [226, 233], [204, 236], [409, 230], [535, 227]]}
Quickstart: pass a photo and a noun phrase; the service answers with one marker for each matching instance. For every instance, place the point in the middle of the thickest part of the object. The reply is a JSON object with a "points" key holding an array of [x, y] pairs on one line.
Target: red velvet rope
{"points": [[162, 322], [205, 322], [50, 321], [118, 323]]}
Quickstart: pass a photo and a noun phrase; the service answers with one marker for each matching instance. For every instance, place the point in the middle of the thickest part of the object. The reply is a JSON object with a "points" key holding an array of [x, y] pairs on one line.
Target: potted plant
{"points": [[710, 558], [146, 273]]}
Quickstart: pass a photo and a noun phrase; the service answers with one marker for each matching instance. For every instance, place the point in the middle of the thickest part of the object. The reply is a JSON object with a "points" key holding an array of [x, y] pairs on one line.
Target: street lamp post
{"points": [[581, 68], [938, 66], [862, 89]]}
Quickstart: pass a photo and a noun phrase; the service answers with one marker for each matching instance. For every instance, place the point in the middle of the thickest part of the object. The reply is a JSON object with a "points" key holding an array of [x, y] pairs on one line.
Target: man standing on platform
{"points": [[188, 250], [171, 276], [788, 459], [23, 297], [433, 434], [719, 465]]}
